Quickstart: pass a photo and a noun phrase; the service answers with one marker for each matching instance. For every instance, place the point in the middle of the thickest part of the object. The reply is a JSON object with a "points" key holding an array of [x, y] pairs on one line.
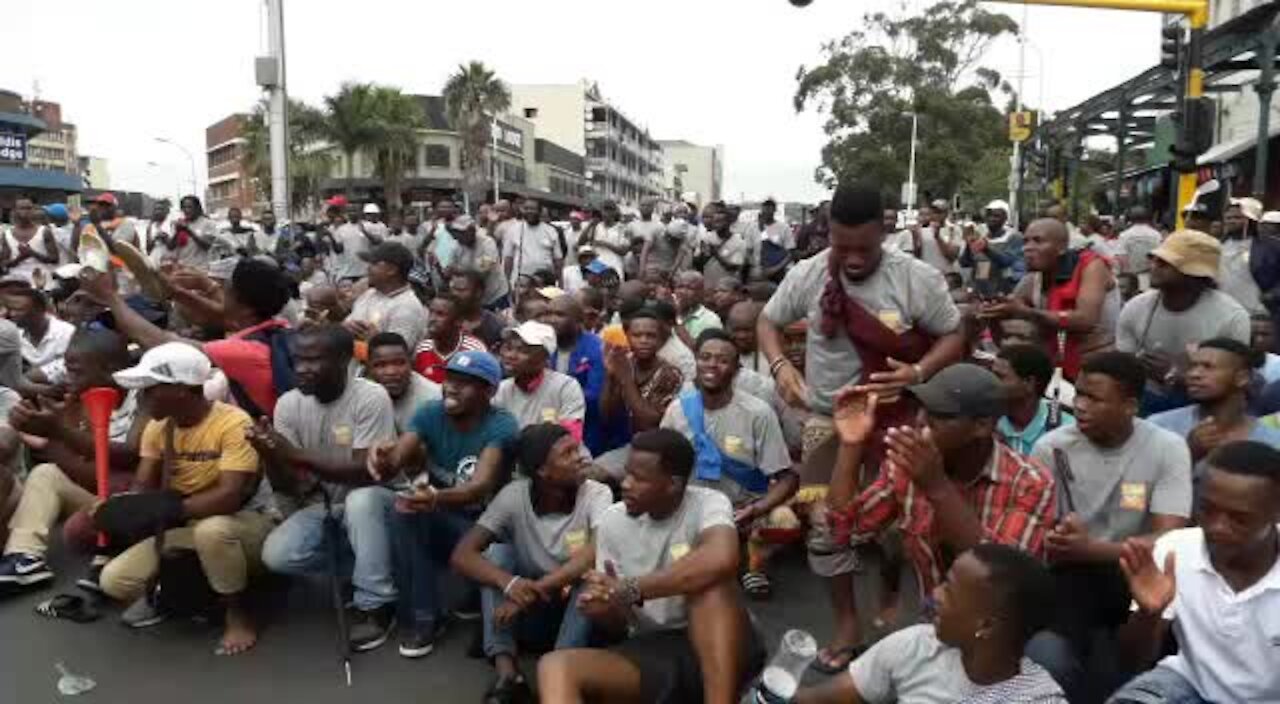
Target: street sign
{"points": [[1021, 125], [13, 146]]}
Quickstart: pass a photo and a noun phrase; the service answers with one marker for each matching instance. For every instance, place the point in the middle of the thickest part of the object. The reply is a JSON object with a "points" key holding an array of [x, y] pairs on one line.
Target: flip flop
{"points": [[757, 586], [138, 265], [69, 607], [844, 655]]}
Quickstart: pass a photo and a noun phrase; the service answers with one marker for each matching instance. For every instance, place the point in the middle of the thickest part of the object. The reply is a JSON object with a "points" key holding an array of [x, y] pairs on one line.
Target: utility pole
{"points": [[1015, 159], [271, 75]]}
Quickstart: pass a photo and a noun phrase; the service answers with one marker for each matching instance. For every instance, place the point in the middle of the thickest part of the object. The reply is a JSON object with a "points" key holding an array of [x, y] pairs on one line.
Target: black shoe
{"points": [[421, 640], [469, 609], [92, 580], [370, 629], [23, 570], [510, 689]]}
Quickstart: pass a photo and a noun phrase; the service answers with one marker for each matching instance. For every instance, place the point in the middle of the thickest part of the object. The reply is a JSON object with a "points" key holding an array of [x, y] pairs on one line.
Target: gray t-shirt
{"points": [[912, 666], [400, 312], [904, 292], [192, 254], [678, 355], [421, 390], [484, 258], [543, 543], [530, 248], [557, 398], [348, 264], [1137, 243], [746, 430], [1116, 490], [357, 420], [1146, 326], [640, 545]]}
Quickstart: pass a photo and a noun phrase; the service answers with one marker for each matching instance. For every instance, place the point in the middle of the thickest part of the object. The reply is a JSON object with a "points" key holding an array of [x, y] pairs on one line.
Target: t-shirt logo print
{"points": [[466, 468]]}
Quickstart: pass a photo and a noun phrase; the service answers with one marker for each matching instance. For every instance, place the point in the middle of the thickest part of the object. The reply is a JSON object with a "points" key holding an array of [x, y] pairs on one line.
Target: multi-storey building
{"points": [[694, 173], [230, 183]]}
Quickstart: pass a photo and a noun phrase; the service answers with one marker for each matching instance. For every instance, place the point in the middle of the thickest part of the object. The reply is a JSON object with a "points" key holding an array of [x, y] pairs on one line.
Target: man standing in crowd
{"points": [[214, 471], [1239, 230], [1218, 383], [389, 304], [580, 355], [1025, 372], [814, 235], [608, 238], [646, 229], [877, 318], [531, 246], [1137, 243], [351, 239], [324, 429], [665, 584], [1183, 308], [532, 392], [1214, 586], [740, 449], [720, 252], [390, 365], [158, 235], [665, 247], [468, 289], [463, 438], [26, 248], [529, 549], [478, 252], [1119, 477], [193, 235], [994, 253]]}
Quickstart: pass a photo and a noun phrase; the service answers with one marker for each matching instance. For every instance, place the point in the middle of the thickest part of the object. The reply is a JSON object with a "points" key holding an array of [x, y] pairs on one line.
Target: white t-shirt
{"points": [[530, 248], [50, 347]]}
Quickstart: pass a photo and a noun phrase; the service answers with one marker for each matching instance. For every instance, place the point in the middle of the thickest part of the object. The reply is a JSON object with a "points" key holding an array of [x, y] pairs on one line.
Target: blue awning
{"points": [[39, 179], [31, 125]]}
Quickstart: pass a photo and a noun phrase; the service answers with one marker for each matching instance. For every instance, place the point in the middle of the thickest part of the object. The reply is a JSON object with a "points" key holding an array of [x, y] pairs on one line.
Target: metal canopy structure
{"points": [[1128, 112]]}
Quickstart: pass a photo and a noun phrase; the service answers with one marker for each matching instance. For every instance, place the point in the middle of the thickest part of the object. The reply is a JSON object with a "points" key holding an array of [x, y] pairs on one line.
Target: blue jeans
{"points": [[1157, 686], [424, 542], [560, 620], [297, 546]]}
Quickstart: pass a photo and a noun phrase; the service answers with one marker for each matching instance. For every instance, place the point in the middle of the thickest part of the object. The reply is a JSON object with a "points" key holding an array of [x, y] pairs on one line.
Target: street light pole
{"points": [[911, 165], [279, 111], [191, 160]]}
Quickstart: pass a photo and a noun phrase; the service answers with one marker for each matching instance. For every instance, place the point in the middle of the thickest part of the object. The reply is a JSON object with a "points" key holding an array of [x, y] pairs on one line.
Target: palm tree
{"points": [[307, 165], [399, 117], [351, 122], [472, 96]]}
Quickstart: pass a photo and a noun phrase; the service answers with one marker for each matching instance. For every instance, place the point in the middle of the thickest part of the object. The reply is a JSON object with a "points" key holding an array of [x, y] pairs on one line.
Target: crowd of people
{"points": [[1052, 449]]}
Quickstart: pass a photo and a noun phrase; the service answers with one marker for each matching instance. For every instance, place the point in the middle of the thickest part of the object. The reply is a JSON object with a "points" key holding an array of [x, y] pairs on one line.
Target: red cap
{"points": [[338, 201], [107, 197]]}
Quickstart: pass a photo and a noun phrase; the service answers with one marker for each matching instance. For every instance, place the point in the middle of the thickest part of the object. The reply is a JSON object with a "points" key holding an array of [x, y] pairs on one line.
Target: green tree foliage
{"points": [[399, 118], [875, 77], [473, 95], [307, 166], [351, 122]]}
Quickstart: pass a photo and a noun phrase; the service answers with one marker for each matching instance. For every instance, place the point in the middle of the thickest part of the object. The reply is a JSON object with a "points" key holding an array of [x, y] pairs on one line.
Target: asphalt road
{"points": [[295, 659]]}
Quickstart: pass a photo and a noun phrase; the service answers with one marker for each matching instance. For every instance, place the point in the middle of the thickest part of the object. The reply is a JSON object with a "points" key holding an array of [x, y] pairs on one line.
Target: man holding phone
{"points": [[463, 438]]}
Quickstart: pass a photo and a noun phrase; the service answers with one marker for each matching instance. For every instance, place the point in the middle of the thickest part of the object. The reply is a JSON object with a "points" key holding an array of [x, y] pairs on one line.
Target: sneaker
{"points": [[370, 629], [421, 640], [509, 690], [469, 609], [24, 570], [91, 581], [142, 614]]}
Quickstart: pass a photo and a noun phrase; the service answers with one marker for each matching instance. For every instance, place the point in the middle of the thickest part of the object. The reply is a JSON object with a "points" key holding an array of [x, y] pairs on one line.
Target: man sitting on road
{"points": [[579, 354], [666, 572], [215, 471], [389, 304], [532, 393], [1025, 372], [463, 438], [529, 548], [389, 365], [445, 338], [324, 429]]}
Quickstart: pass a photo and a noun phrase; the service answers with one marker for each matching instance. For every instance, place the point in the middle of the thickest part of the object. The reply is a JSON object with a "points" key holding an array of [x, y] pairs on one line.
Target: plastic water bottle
{"points": [[70, 685], [781, 678]]}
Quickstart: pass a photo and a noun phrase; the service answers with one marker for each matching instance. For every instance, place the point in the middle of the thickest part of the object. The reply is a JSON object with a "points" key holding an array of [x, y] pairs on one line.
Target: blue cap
{"points": [[595, 266], [480, 365], [56, 210]]}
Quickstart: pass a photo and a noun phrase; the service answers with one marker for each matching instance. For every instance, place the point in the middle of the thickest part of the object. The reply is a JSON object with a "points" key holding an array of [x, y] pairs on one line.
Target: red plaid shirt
{"points": [[1014, 499]]}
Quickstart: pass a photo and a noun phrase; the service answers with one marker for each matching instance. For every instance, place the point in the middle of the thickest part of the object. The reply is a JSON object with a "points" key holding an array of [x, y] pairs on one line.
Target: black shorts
{"points": [[669, 670]]}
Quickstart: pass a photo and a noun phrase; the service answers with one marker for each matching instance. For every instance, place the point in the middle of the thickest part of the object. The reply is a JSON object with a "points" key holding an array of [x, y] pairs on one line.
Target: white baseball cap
{"points": [[1271, 217], [531, 332], [371, 209], [997, 205], [1251, 208], [170, 363]]}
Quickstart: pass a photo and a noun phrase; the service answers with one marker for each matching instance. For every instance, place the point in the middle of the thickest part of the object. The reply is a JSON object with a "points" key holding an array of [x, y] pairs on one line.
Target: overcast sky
{"points": [[709, 71]]}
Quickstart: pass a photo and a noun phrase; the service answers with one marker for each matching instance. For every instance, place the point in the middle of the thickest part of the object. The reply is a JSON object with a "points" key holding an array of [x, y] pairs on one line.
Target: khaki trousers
{"points": [[47, 496]]}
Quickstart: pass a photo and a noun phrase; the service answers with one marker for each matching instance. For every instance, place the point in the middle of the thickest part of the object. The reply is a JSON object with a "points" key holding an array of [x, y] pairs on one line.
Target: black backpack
{"points": [[280, 342]]}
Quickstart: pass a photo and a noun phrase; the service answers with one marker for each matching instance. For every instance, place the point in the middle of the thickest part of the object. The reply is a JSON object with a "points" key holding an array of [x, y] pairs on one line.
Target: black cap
{"points": [[393, 253], [964, 390]]}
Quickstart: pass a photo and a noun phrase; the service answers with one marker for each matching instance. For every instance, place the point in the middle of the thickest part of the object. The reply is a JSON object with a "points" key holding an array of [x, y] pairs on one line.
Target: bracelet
{"points": [[629, 591], [777, 364], [506, 591]]}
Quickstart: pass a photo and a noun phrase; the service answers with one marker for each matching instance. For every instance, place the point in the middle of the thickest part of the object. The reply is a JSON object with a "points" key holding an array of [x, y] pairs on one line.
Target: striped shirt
{"points": [[430, 361], [1014, 498]]}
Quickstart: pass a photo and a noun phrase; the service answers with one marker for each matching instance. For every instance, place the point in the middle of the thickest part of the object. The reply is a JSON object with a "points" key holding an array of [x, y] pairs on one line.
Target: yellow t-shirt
{"points": [[217, 444]]}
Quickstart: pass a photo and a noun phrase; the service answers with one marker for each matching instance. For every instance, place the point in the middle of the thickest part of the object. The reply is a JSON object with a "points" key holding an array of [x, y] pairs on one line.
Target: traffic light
{"points": [[1171, 47], [1195, 132]]}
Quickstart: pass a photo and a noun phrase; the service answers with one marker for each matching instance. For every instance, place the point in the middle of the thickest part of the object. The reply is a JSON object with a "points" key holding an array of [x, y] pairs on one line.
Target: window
{"points": [[437, 156], [531, 113]]}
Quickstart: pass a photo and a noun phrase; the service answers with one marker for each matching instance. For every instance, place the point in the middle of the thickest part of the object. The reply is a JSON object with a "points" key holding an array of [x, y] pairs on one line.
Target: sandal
{"points": [[843, 656], [69, 607], [757, 586]]}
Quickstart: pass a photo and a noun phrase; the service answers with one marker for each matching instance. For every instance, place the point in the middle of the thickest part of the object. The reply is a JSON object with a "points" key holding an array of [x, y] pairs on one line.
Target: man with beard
{"points": [[532, 245], [1239, 230]]}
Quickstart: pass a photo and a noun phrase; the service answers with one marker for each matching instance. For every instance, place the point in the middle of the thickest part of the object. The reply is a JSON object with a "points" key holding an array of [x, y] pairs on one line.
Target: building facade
{"points": [[623, 162], [230, 183], [95, 172], [37, 159], [694, 173], [55, 148]]}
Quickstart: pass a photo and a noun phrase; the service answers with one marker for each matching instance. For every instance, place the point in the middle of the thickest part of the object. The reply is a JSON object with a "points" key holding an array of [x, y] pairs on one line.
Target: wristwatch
{"points": [[629, 592]]}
